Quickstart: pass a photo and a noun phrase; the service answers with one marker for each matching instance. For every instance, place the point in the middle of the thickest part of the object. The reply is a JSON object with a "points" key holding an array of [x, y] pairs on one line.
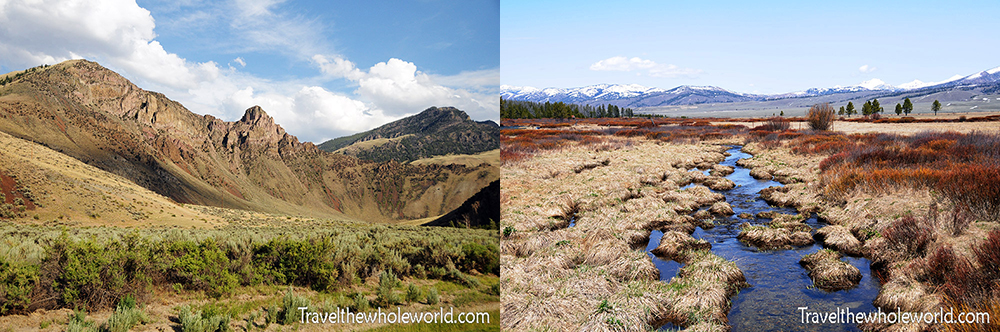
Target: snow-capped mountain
{"points": [[576, 95], [633, 95]]}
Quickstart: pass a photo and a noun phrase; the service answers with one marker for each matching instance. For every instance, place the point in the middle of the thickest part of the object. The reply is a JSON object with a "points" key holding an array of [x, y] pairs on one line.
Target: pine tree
{"points": [[876, 108], [841, 112], [907, 106], [866, 109], [936, 107], [899, 109], [850, 108], [782, 113]]}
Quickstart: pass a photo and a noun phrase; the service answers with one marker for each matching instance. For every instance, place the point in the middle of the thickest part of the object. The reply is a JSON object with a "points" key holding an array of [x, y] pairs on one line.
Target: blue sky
{"points": [[322, 69], [745, 46]]}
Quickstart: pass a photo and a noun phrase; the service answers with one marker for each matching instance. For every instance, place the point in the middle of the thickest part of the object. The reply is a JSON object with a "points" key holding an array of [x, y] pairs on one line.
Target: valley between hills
{"points": [[126, 206]]}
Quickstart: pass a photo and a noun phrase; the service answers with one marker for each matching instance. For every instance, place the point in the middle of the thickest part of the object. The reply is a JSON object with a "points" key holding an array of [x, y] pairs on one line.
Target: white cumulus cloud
{"points": [[650, 67], [398, 88]]}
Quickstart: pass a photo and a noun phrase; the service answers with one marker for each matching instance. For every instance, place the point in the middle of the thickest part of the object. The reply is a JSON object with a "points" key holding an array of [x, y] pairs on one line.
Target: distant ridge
{"points": [[433, 132]]}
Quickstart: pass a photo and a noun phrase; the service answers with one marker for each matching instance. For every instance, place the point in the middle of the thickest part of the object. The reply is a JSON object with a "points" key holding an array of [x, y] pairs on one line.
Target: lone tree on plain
{"points": [[899, 109], [820, 116], [907, 106], [936, 107]]}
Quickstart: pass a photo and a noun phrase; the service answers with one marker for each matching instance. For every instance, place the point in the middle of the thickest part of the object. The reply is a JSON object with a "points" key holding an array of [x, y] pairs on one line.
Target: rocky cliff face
{"points": [[93, 114]]}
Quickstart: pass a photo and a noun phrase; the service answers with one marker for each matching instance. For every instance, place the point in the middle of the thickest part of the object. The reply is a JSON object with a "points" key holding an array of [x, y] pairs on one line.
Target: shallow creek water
{"points": [[779, 284]]}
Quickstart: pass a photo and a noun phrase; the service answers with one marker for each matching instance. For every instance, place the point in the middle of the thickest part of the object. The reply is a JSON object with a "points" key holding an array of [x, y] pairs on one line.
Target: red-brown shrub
{"points": [[987, 253], [910, 234], [632, 132], [975, 186], [820, 116]]}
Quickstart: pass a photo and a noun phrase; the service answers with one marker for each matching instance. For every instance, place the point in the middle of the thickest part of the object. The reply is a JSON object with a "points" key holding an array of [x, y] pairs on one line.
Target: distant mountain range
{"points": [[637, 96], [433, 132]]}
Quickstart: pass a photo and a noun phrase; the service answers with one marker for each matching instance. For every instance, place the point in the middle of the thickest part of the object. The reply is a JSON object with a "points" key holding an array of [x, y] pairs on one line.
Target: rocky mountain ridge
{"points": [[90, 113]]}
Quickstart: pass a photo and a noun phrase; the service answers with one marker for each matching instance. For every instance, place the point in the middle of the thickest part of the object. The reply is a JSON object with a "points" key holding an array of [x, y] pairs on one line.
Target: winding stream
{"points": [[779, 284]]}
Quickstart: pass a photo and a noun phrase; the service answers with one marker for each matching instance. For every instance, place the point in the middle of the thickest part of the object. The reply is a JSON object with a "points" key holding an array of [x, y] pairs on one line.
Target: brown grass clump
{"points": [[704, 196], [839, 238], [718, 183], [771, 238], [721, 208], [705, 284], [721, 170], [906, 294], [591, 165], [676, 246], [828, 272]]}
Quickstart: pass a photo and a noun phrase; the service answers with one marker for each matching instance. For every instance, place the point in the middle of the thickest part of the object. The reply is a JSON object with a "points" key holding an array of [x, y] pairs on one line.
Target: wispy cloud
{"points": [[866, 69], [650, 67]]}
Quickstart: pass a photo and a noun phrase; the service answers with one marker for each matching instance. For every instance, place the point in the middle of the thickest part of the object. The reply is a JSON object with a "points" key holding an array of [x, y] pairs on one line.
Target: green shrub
{"points": [[206, 267], [77, 322], [435, 272], [494, 290], [290, 308], [412, 293], [361, 303], [385, 295], [272, 315], [481, 258], [462, 278], [16, 284], [126, 316], [198, 321], [432, 296]]}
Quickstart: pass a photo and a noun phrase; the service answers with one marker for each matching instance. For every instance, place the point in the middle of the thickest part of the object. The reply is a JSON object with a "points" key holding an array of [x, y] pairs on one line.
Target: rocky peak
{"points": [[256, 117]]}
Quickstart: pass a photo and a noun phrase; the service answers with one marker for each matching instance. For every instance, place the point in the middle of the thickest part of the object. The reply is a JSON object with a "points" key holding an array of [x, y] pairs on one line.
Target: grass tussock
{"points": [[775, 236], [840, 239], [676, 246], [828, 272]]}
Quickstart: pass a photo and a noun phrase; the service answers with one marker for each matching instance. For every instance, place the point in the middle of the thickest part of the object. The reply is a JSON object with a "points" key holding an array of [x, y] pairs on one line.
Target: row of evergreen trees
{"points": [[873, 107], [517, 109]]}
